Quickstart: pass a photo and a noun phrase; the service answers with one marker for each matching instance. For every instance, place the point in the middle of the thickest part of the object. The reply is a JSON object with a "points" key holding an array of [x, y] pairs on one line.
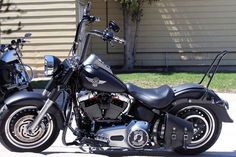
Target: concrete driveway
{"points": [[224, 147]]}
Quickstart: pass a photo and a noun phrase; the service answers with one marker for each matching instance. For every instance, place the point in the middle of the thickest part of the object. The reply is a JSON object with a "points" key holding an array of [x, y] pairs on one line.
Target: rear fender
{"points": [[29, 98], [190, 90], [209, 100]]}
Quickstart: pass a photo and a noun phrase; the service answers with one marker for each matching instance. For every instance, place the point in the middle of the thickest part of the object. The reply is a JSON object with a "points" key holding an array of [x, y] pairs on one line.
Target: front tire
{"points": [[15, 136], [207, 128]]}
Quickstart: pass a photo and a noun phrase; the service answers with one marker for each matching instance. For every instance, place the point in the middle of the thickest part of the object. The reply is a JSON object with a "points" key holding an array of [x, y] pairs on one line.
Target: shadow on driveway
{"points": [[156, 153]]}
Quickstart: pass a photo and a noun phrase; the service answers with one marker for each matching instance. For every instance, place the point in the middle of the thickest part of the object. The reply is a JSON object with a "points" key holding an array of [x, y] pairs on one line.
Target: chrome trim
{"points": [[122, 98], [41, 114], [22, 77], [209, 122], [139, 126], [22, 138], [90, 95], [46, 93], [127, 100], [48, 65], [31, 75], [85, 97], [105, 135]]}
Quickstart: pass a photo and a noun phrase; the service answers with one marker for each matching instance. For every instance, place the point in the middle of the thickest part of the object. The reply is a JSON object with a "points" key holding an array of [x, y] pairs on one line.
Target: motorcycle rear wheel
{"points": [[15, 136], [207, 128]]}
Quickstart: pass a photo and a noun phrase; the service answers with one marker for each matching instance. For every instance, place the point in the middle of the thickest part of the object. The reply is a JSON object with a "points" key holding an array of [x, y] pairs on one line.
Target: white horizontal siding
{"points": [[187, 32], [51, 22], [179, 32], [172, 32]]}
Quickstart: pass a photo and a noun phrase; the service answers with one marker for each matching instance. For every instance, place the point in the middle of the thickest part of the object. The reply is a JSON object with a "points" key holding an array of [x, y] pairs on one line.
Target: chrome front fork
{"points": [[41, 114]]}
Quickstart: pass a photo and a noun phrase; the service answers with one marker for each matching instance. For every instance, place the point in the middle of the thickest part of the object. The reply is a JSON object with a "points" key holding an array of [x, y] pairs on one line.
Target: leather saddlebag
{"points": [[178, 132]]}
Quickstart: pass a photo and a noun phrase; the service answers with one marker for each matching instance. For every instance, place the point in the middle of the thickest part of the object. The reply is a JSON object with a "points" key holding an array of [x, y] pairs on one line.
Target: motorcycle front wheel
{"points": [[14, 133], [207, 128]]}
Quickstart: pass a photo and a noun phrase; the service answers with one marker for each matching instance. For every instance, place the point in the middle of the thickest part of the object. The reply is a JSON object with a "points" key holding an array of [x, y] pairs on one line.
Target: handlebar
{"points": [[95, 19], [91, 19], [21, 40], [15, 44], [107, 36]]}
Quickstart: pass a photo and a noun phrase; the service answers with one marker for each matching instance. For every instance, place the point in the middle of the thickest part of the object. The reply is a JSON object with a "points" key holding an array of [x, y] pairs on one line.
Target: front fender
{"points": [[24, 96], [29, 98]]}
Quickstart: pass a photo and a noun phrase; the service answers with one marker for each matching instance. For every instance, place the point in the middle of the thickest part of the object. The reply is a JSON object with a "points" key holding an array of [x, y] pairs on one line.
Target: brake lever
{"points": [[98, 19], [112, 43]]}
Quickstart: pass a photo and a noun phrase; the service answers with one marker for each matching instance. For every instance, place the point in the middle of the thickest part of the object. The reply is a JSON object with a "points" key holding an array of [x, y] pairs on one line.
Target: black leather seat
{"points": [[153, 98]]}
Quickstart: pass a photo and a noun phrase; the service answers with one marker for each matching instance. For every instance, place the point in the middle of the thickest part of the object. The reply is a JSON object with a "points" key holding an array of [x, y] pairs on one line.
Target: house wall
{"points": [[178, 32], [51, 22], [112, 55], [187, 32], [172, 32]]}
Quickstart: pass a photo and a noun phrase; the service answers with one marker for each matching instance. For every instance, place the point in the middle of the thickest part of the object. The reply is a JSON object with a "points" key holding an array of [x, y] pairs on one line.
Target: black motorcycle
{"points": [[13, 74], [108, 113]]}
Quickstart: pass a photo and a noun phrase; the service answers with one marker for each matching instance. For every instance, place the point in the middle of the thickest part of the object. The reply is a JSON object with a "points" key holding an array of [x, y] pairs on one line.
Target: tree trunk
{"points": [[129, 37], [137, 25]]}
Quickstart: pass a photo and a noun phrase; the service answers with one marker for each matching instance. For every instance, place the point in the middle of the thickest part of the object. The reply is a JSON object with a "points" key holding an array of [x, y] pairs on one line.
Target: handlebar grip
{"points": [[2, 47], [119, 40]]}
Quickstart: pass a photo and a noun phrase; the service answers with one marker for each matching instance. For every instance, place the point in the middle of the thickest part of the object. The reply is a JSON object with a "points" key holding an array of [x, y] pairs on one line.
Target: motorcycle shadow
{"points": [[156, 153]]}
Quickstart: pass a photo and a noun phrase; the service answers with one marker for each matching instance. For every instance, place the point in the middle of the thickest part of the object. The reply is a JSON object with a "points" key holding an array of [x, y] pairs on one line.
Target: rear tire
{"points": [[207, 128], [15, 136]]}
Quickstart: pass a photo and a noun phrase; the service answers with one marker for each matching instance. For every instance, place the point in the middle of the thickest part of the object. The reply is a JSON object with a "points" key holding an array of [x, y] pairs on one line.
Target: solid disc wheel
{"points": [[15, 134], [206, 130]]}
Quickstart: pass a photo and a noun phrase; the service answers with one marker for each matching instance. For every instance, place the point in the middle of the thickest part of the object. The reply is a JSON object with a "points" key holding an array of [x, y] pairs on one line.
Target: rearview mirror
{"points": [[113, 26], [27, 35], [88, 8]]}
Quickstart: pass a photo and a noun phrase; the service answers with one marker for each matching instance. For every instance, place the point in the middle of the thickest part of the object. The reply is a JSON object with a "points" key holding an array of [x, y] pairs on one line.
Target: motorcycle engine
{"points": [[103, 106]]}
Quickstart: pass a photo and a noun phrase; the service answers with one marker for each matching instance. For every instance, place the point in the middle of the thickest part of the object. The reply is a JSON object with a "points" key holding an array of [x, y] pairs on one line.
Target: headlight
{"points": [[51, 64]]}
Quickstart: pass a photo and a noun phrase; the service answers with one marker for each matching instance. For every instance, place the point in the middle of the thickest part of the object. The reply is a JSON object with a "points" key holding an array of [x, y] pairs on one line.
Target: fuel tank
{"points": [[9, 56], [97, 76]]}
